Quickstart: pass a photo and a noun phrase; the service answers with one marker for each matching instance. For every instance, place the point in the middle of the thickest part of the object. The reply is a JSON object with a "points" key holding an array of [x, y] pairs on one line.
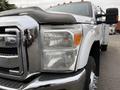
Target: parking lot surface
{"points": [[110, 66]]}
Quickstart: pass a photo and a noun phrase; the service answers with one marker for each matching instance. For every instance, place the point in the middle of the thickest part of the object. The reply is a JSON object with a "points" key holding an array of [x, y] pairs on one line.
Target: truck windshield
{"points": [[78, 8]]}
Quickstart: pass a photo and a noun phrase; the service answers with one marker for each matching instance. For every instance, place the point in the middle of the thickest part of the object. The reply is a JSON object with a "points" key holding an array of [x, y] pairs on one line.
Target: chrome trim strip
{"points": [[7, 35], [7, 57], [9, 62]]}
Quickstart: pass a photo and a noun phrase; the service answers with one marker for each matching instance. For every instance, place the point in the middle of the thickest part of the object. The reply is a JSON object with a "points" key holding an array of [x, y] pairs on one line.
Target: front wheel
{"points": [[91, 78]]}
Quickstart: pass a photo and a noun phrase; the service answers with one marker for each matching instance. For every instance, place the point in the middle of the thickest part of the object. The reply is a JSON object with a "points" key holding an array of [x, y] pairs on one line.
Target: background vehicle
{"points": [[117, 27], [53, 51]]}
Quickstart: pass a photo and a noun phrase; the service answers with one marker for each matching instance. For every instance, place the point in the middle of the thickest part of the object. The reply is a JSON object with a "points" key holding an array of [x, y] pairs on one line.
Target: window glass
{"points": [[83, 9]]}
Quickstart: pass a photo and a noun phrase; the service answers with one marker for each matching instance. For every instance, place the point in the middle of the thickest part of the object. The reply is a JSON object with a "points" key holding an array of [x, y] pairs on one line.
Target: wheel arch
{"points": [[95, 53]]}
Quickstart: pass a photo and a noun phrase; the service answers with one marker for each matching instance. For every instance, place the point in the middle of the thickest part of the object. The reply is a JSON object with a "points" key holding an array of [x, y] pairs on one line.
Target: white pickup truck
{"points": [[56, 49]]}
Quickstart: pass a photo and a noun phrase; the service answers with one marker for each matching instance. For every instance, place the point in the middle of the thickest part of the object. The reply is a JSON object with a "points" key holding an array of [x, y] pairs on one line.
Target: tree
{"points": [[4, 5]]}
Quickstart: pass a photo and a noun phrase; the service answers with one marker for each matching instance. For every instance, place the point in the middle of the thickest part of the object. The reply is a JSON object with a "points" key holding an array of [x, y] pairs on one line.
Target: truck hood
{"points": [[78, 18], [41, 16]]}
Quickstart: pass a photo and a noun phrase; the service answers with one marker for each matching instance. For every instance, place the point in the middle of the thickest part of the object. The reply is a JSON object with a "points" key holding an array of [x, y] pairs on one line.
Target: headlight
{"points": [[60, 50]]}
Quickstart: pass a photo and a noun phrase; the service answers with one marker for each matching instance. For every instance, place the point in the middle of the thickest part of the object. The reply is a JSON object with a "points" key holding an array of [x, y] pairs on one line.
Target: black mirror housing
{"points": [[112, 15]]}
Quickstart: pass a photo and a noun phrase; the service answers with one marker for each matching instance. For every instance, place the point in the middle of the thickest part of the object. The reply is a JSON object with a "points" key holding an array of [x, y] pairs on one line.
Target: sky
{"points": [[47, 3]]}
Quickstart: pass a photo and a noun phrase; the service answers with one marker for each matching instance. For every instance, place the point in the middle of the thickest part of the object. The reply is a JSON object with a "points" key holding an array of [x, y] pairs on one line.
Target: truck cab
{"points": [[86, 12]]}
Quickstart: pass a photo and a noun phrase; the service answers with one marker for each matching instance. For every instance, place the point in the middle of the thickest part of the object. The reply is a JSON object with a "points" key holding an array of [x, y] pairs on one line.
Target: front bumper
{"points": [[73, 81]]}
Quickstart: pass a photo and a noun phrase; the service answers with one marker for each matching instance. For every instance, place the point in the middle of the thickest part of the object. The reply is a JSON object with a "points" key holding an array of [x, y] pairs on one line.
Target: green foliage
{"points": [[4, 5]]}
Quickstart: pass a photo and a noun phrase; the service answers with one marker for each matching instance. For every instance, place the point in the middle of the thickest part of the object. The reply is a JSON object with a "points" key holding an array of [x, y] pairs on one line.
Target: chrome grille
{"points": [[10, 58]]}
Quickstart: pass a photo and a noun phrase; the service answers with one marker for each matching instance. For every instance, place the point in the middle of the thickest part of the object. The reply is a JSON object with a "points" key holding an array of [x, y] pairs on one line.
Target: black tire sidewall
{"points": [[104, 48], [91, 66]]}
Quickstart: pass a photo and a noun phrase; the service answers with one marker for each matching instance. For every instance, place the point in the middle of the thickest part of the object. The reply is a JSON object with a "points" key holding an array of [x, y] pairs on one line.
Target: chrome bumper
{"points": [[73, 81]]}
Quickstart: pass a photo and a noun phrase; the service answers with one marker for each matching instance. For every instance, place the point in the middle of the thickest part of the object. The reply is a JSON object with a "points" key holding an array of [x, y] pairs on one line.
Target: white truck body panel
{"points": [[91, 33]]}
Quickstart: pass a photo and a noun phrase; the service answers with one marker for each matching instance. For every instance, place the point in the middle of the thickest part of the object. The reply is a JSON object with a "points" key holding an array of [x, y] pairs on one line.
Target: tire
{"points": [[104, 48], [91, 78]]}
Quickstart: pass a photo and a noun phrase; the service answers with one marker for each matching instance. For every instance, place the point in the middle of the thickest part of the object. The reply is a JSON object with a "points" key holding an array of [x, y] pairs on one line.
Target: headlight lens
{"points": [[59, 60], [60, 50], [57, 39]]}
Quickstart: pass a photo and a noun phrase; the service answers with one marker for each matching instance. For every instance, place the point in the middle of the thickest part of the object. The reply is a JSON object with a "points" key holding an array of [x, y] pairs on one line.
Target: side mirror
{"points": [[112, 15]]}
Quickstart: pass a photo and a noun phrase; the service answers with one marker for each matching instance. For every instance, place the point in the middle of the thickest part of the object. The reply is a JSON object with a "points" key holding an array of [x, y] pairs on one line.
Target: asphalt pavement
{"points": [[110, 66]]}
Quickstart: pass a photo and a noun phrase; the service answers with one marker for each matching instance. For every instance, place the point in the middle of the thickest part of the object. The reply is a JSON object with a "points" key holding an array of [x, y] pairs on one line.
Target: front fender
{"points": [[85, 48]]}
